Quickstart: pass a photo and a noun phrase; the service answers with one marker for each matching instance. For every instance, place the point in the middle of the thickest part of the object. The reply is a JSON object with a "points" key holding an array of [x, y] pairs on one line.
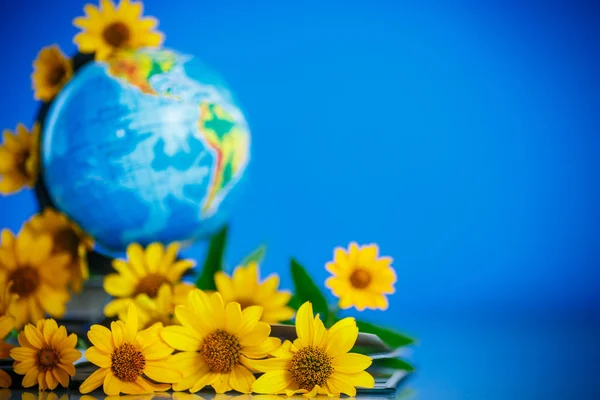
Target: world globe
{"points": [[149, 146]]}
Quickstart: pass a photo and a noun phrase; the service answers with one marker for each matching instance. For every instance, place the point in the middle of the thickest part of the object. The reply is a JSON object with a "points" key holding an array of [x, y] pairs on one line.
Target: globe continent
{"points": [[149, 146]]}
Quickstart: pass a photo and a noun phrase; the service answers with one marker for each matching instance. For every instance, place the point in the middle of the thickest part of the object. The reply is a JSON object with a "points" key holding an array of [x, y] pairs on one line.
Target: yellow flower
{"points": [[162, 307], [317, 362], [124, 355], [144, 273], [7, 297], [37, 276], [245, 288], [361, 278], [19, 159], [107, 29], [46, 355], [67, 238], [217, 342], [51, 71], [6, 325]]}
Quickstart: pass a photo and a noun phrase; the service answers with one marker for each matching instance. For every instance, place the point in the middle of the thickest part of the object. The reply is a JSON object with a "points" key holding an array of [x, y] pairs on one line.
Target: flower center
{"points": [[56, 75], [66, 240], [311, 366], [21, 160], [25, 281], [360, 278], [116, 34], [150, 284], [127, 363], [245, 303], [221, 351], [47, 359]]}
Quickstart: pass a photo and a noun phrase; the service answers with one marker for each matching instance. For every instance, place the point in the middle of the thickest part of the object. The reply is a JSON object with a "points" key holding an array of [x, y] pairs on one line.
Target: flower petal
{"points": [[34, 336], [250, 317], [256, 336], [304, 324], [233, 318], [101, 337], [241, 379], [94, 381], [180, 338], [112, 385], [273, 382], [160, 371], [351, 362], [98, 357]]}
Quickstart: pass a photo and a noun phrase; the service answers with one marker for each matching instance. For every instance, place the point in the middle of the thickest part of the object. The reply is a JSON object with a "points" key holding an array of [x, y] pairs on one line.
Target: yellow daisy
{"points": [[317, 362], [244, 287], [51, 71], [361, 278], [19, 159], [107, 29], [46, 355], [7, 324], [217, 343], [125, 355], [69, 239], [37, 276], [145, 272]]}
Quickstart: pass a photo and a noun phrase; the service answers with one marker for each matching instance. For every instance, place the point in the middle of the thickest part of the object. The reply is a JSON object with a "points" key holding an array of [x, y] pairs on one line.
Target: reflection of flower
{"points": [[6, 325], [317, 362], [38, 277], [108, 28], [19, 159], [43, 396], [51, 71], [124, 355], [145, 272], [217, 342], [67, 238], [244, 287], [46, 355], [361, 278]]}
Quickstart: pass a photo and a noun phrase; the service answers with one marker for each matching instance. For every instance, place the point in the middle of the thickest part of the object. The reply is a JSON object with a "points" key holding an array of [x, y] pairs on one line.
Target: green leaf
{"points": [[256, 256], [214, 261], [391, 338], [307, 290], [395, 363], [295, 302]]}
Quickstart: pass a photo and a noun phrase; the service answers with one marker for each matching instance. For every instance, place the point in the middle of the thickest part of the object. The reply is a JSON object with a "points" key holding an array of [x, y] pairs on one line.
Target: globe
{"points": [[147, 147]]}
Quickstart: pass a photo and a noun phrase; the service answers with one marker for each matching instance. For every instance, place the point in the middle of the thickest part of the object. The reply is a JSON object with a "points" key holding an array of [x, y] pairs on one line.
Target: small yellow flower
{"points": [[317, 362], [361, 278], [7, 324], [244, 287], [217, 342], [46, 355], [107, 29], [145, 272], [161, 308], [37, 276], [51, 71], [19, 159], [125, 355], [67, 238]]}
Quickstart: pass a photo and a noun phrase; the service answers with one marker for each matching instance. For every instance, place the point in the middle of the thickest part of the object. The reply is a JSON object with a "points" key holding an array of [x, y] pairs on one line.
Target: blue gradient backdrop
{"points": [[461, 137]]}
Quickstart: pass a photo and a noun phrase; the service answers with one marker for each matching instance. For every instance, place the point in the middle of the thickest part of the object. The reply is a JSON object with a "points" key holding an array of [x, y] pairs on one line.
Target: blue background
{"points": [[461, 137]]}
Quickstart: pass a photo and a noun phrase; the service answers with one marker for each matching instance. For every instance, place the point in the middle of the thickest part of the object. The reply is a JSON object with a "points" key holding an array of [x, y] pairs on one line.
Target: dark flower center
{"points": [[311, 366], [56, 75], [47, 359], [66, 240], [360, 278], [127, 363], [25, 281], [150, 285], [116, 34], [221, 351]]}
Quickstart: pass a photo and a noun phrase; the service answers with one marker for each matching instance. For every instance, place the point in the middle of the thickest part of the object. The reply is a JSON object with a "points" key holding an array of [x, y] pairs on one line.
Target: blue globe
{"points": [[149, 146]]}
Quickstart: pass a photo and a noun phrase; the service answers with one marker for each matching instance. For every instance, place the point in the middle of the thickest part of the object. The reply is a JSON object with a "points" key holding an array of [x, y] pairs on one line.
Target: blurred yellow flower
{"points": [[245, 288], [109, 28], [37, 276], [125, 354], [46, 355], [19, 159], [67, 238], [317, 362], [145, 272], [160, 309], [7, 297], [361, 278], [217, 343], [51, 71], [6, 325]]}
